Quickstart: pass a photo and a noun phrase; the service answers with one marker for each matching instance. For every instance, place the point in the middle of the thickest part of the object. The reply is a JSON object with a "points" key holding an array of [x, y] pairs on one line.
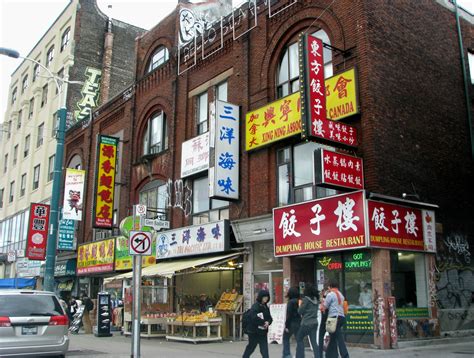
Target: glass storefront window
{"points": [[409, 279], [264, 258]]}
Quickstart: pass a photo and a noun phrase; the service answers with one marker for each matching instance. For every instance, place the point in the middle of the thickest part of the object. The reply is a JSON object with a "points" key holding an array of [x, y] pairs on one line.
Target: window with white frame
{"points": [[44, 95], [36, 71], [36, 177], [202, 113], [5, 164], [15, 154], [205, 209], [24, 84], [18, 123], [31, 108], [23, 185], [12, 192], [61, 76], [26, 150], [160, 56], [155, 138], [50, 56], [221, 91], [51, 167], [155, 196], [65, 38], [9, 129], [14, 94], [39, 138], [288, 69]]}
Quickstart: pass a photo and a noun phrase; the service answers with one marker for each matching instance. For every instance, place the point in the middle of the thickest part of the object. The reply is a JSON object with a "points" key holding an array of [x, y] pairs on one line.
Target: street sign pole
{"points": [[137, 282]]}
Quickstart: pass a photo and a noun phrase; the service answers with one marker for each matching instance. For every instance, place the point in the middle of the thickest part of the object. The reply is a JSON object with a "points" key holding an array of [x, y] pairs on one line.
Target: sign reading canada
{"points": [[338, 170], [395, 227], [96, 257], [328, 224], [105, 181], [37, 231], [341, 95]]}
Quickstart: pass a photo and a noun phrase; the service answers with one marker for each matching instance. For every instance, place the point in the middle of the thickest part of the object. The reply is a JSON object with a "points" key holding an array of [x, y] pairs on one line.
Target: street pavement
{"points": [[120, 346]]}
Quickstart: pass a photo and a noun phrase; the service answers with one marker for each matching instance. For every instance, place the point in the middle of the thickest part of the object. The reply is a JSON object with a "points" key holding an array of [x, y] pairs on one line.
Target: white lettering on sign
{"points": [[90, 94]]}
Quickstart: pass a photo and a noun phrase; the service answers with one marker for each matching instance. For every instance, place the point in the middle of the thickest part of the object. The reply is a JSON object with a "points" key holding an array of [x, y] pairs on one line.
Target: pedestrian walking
{"points": [[322, 324], [334, 303], [260, 320], [86, 319], [293, 320], [308, 310]]}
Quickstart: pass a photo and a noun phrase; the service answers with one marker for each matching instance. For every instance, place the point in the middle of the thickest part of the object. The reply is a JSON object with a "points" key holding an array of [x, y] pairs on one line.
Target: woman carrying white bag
{"points": [[334, 303]]}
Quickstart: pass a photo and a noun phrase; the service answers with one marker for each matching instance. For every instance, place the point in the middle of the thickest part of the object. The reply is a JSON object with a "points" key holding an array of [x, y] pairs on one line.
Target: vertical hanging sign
{"points": [[224, 175], [73, 194], [37, 231], [105, 181]]}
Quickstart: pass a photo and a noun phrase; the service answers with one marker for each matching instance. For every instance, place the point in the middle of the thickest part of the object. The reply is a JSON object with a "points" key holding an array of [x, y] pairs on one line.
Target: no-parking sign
{"points": [[140, 243]]}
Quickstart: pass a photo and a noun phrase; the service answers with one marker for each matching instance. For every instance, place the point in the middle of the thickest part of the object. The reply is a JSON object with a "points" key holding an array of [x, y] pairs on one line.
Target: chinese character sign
{"points": [[105, 181], [329, 224], [38, 227], [395, 227], [195, 155], [224, 175], [73, 194], [338, 170], [193, 240], [273, 122], [341, 95], [96, 257], [429, 230]]}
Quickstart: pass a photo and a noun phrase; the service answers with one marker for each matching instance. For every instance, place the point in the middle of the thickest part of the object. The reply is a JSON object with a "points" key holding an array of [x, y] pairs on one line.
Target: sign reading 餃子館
{"points": [[341, 95], [224, 172], [273, 122], [105, 181], [333, 169], [394, 226], [313, 97], [329, 224], [73, 194], [195, 155], [90, 94], [193, 240], [38, 227], [96, 257]]}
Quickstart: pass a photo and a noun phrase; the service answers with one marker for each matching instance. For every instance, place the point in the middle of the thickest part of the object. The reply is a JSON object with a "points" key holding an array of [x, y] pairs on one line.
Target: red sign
{"points": [[337, 169], [315, 122], [38, 227], [329, 224], [395, 227]]}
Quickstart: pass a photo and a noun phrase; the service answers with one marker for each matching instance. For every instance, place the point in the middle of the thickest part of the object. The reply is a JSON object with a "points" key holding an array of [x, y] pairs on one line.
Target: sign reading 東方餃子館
{"points": [[224, 173], [90, 94], [329, 224], [193, 240]]}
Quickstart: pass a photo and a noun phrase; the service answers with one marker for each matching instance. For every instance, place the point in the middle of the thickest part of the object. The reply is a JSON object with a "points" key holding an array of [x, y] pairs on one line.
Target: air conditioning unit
{"points": [[101, 234]]}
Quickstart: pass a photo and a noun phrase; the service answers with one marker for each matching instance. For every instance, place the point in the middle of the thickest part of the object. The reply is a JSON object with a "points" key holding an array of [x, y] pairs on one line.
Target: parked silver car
{"points": [[32, 323]]}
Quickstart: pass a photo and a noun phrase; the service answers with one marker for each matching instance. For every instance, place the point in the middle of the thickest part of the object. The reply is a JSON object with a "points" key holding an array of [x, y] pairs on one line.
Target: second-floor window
{"points": [[50, 56], [44, 95], [23, 185], [65, 38], [24, 84], [202, 113], [204, 208], [155, 139], [32, 108], [36, 177], [26, 150], [39, 140], [51, 168]]}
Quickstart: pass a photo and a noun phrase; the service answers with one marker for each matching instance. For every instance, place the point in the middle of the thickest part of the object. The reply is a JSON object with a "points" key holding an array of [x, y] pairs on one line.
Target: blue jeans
{"points": [[337, 341], [294, 327], [303, 332]]}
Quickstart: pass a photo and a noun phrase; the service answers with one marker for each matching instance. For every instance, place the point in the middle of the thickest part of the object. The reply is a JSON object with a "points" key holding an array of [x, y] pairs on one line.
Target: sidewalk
{"points": [[120, 346]]}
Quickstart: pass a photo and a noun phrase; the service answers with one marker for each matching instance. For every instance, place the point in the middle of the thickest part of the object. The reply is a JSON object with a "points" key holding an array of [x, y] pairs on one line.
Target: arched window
{"points": [[160, 56], [65, 38], [288, 74], [155, 139]]}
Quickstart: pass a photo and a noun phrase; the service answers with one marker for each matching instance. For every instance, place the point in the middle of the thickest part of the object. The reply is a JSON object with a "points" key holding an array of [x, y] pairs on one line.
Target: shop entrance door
{"points": [[272, 282]]}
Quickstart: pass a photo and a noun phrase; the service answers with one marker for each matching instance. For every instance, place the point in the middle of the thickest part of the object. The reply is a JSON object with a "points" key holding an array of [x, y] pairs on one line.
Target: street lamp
{"points": [[48, 284]]}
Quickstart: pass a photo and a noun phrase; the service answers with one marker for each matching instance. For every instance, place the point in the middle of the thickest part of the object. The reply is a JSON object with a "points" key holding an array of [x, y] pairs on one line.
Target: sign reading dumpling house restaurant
{"points": [[395, 227], [38, 227], [329, 224], [193, 240], [335, 169], [105, 181]]}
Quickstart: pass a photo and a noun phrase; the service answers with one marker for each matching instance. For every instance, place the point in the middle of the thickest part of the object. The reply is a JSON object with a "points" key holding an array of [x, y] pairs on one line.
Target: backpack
{"points": [[246, 321], [89, 304]]}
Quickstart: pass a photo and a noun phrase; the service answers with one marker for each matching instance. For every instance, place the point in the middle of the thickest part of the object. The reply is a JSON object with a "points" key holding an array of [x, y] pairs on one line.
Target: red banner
{"points": [[395, 227], [329, 224], [338, 170], [38, 227]]}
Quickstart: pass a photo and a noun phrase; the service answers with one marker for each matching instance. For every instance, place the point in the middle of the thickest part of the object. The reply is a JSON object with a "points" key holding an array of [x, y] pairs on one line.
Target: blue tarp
{"points": [[17, 282]]}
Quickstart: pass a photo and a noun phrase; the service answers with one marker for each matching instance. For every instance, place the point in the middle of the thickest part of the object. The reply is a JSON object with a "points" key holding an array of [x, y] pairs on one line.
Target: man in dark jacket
{"points": [[258, 328], [293, 320], [308, 310]]}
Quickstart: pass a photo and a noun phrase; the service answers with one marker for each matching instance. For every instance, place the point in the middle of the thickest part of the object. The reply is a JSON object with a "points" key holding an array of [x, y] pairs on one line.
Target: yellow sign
{"points": [[96, 257], [341, 95], [123, 259], [275, 121]]}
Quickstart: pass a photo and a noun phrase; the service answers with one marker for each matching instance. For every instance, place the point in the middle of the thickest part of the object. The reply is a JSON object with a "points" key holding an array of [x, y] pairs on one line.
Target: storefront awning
{"points": [[170, 268]]}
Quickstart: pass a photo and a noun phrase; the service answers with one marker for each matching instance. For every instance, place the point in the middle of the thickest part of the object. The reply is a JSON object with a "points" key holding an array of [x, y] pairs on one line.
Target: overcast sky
{"points": [[23, 22]]}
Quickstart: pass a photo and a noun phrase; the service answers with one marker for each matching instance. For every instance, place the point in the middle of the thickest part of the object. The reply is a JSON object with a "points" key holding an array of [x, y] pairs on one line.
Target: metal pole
{"points": [[137, 283]]}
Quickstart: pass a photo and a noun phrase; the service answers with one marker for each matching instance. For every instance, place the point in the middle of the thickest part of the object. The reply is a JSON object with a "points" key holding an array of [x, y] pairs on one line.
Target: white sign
{"points": [[11, 256], [195, 155], [429, 230], [73, 194], [139, 210], [276, 329], [156, 224], [224, 175], [28, 268], [140, 243], [193, 240]]}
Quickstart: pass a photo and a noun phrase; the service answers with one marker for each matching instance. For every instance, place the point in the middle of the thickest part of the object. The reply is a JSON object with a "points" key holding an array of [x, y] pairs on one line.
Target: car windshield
{"points": [[25, 305]]}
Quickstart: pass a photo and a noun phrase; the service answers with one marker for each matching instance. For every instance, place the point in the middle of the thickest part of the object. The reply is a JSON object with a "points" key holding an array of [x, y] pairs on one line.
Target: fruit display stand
{"points": [[151, 325], [230, 307], [195, 328]]}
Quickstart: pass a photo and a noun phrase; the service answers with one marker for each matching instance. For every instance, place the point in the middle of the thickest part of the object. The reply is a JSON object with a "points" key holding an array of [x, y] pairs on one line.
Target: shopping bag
{"points": [[331, 324], [327, 339]]}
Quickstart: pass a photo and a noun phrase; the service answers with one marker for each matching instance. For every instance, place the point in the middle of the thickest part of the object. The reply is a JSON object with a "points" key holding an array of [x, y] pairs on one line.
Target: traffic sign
{"points": [[140, 243], [156, 224], [140, 210]]}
